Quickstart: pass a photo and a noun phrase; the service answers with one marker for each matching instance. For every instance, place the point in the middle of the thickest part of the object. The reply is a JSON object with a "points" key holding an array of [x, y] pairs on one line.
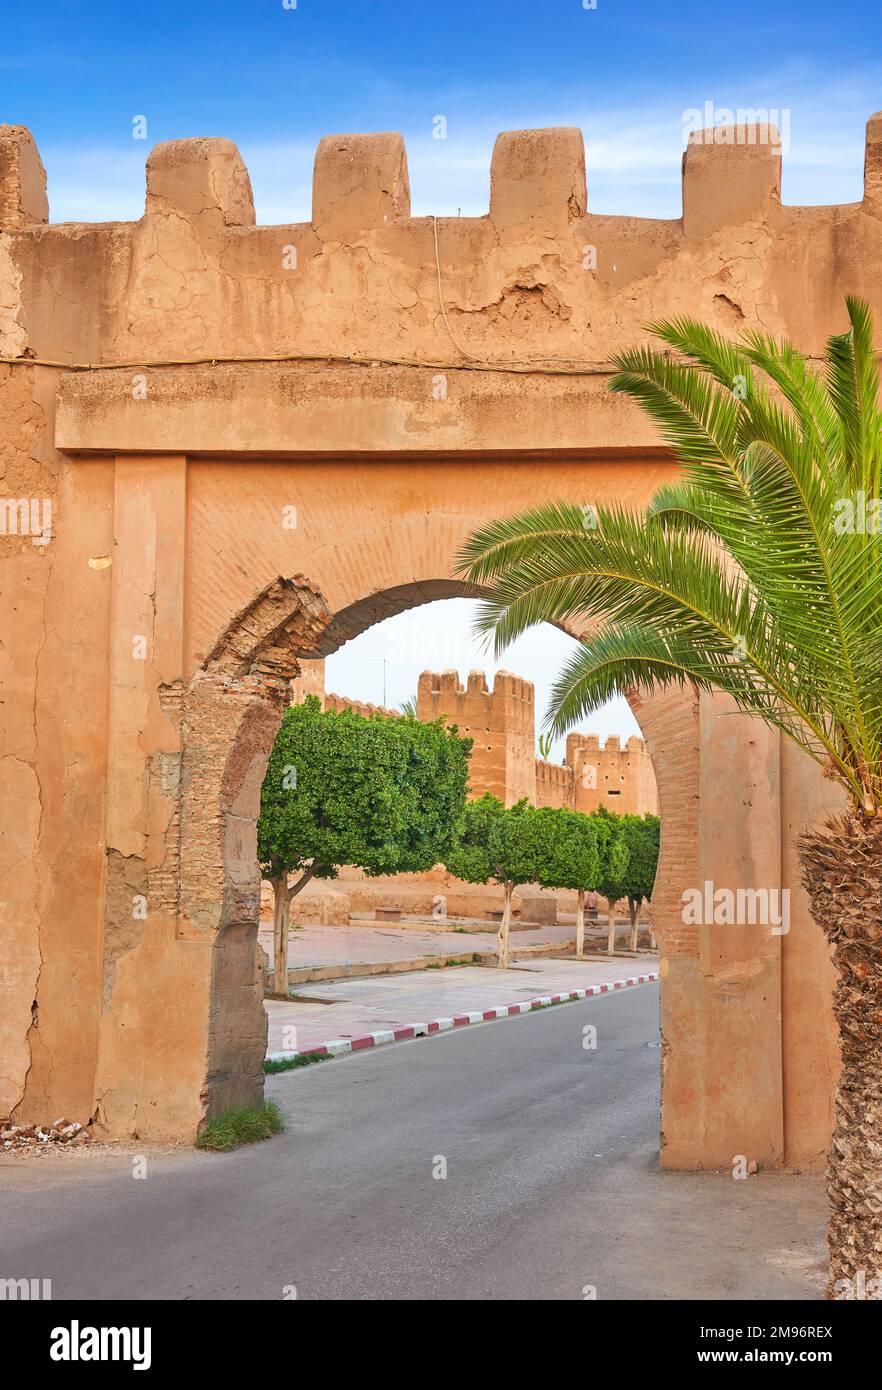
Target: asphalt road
{"points": [[552, 1186]]}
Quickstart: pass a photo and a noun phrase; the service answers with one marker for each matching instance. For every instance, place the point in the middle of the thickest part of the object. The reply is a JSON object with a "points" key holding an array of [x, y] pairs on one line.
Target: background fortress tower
{"points": [[619, 778], [310, 681], [501, 722]]}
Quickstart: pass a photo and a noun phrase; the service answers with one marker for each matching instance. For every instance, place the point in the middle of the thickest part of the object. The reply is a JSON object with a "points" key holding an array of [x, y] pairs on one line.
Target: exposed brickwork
{"points": [[22, 179], [670, 721], [229, 715]]}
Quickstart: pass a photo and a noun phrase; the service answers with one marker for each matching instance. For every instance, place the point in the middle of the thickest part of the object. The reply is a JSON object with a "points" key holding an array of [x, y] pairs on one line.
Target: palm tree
{"points": [[408, 707], [758, 573]]}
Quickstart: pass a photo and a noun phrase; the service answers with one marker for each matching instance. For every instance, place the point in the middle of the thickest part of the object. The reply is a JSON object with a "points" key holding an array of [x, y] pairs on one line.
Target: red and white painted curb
{"points": [[338, 1046]]}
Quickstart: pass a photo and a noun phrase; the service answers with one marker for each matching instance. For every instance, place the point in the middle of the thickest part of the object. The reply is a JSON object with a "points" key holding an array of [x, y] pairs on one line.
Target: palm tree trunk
{"points": [[842, 873], [504, 925], [580, 923]]}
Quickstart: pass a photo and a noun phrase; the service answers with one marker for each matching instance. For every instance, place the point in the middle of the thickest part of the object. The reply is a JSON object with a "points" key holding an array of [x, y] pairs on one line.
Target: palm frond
{"points": [[635, 659], [803, 389], [746, 575], [697, 418], [853, 383]]}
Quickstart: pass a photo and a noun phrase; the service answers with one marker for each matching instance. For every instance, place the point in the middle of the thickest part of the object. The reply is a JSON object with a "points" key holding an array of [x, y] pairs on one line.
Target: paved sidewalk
{"points": [[357, 1007], [331, 953], [315, 945]]}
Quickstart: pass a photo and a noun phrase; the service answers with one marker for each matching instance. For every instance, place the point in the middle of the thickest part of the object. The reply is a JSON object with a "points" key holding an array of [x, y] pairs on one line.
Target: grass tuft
{"points": [[297, 1059], [454, 960], [244, 1124]]}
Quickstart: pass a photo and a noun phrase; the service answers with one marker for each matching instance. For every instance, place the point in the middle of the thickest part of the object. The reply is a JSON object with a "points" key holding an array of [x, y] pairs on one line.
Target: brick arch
{"points": [[183, 1030], [230, 715], [189, 1011], [375, 607]]}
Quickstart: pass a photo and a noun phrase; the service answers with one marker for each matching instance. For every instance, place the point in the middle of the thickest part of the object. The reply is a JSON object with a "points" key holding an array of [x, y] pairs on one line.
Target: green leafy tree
{"points": [[577, 845], [502, 845], [758, 573], [614, 855], [383, 794], [634, 877], [641, 835]]}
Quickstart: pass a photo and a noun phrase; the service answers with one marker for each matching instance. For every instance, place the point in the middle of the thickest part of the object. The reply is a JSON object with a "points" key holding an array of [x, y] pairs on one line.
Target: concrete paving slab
{"points": [[318, 953]]}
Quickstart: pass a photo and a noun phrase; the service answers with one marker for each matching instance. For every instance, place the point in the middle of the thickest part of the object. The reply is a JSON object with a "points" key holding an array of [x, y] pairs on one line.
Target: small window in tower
{"points": [[614, 791]]}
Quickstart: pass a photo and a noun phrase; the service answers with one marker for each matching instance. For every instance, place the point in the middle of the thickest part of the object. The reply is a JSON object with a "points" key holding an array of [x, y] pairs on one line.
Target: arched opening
{"points": [[426, 659], [233, 707]]}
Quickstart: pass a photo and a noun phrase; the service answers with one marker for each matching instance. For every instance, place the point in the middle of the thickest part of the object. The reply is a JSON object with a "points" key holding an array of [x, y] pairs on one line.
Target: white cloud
{"points": [[633, 151]]}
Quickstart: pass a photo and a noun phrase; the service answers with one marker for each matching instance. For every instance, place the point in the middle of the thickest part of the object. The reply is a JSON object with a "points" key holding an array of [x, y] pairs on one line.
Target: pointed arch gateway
{"points": [[152, 640]]}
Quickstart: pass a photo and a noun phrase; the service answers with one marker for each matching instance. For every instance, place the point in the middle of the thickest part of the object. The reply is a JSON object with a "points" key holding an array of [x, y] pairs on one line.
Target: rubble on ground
{"points": [[70, 1134]]}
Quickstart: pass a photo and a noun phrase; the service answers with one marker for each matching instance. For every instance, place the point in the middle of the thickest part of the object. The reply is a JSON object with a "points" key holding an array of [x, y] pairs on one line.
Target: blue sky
{"points": [[276, 79]]}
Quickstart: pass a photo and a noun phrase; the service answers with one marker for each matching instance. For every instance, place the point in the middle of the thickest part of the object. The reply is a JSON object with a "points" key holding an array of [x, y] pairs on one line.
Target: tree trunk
{"points": [[634, 910], [611, 930], [842, 872], [504, 925], [281, 909], [580, 924]]}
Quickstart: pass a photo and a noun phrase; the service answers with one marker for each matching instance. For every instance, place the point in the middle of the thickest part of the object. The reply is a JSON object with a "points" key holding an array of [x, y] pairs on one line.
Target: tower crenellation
{"points": [[620, 778], [500, 721]]}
